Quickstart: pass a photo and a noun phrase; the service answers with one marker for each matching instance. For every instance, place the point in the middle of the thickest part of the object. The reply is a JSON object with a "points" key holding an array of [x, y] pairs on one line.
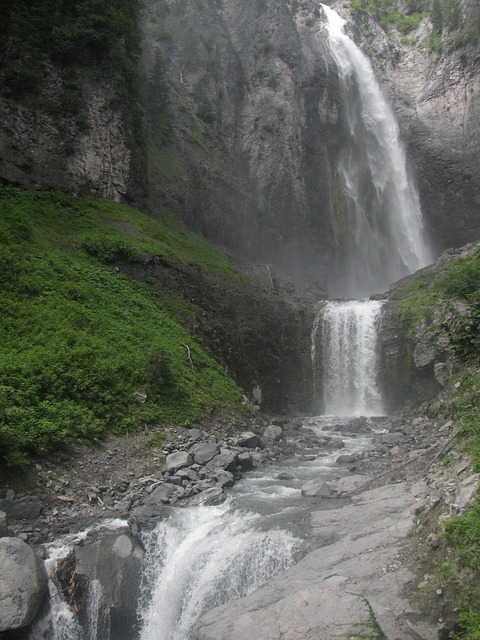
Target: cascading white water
{"points": [[202, 557], [379, 229], [350, 358]]}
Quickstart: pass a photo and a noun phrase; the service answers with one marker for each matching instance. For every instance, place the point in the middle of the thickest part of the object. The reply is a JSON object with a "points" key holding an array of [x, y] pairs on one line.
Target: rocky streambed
{"points": [[332, 498]]}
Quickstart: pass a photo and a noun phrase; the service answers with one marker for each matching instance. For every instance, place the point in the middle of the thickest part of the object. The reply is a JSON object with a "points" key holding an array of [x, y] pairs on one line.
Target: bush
{"points": [[108, 249]]}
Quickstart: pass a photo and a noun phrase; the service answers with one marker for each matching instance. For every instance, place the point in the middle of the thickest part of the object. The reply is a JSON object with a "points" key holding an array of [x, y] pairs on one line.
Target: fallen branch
{"points": [[189, 353], [443, 450]]}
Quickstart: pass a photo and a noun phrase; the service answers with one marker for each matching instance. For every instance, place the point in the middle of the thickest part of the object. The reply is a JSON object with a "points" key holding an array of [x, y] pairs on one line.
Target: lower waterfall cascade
{"points": [[201, 557], [348, 336]]}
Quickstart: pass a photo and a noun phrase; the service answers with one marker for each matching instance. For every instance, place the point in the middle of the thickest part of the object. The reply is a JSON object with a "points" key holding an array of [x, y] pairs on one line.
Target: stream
{"points": [[200, 557]]}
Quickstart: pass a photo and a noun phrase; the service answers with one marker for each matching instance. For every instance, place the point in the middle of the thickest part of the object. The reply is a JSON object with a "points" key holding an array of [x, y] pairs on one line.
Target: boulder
{"points": [[186, 473], [246, 461], [284, 476], [23, 584], [203, 452], [224, 478], [249, 440], [272, 433], [318, 489], [26, 508], [226, 460], [346, 458], [163, 493], [178, 460]]}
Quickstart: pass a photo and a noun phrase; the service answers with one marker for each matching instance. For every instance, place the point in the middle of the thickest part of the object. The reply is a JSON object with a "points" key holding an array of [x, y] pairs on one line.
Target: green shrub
{"points": [[108, 248]]}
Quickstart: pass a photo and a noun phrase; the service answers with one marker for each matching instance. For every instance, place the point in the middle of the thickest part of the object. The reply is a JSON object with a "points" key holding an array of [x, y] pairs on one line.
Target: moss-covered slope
{"points": [[80, 342]]}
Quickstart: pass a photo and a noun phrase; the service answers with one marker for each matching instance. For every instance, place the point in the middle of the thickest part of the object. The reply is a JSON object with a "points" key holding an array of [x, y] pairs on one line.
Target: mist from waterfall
{"points": [[379, 230]]}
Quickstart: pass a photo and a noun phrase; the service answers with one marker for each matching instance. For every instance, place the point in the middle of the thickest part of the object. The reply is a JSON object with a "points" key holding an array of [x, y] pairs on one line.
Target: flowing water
{"points": [[204, 556], [348, 337], [380, 228], [200, 557]]}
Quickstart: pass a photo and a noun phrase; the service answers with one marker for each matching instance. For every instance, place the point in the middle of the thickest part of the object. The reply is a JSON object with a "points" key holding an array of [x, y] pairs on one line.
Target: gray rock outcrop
{"points": [[339, 592]]}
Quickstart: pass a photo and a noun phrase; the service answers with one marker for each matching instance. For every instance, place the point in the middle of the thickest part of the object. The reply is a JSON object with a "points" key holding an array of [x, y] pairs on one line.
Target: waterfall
{"points": [[202, 557], [350, 358], [379, 228]]}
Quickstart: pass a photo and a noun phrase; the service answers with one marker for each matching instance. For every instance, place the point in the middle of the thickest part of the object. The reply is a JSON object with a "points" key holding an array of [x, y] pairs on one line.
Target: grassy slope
{"points": [[460, 282], [78, 339]]}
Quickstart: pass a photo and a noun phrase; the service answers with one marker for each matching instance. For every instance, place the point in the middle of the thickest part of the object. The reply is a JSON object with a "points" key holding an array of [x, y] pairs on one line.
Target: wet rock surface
{"points": [[361, 565], [379, 490]]}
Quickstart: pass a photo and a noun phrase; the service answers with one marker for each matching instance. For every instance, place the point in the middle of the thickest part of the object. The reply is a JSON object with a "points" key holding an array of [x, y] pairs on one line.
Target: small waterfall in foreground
{"points": [[202, 557], [379, 232], [350, 358]]}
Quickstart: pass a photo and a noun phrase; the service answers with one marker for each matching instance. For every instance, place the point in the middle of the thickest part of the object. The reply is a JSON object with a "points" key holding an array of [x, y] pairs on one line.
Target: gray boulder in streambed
{"points": [[203, 452], [249, 440], [178, 460], [23, 584], [272, 433], [318, 489]]}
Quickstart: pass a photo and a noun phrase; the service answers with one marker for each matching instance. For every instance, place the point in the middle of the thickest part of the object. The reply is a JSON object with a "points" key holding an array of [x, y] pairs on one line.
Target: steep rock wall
{"points": [[255, 74], [92, 151]]}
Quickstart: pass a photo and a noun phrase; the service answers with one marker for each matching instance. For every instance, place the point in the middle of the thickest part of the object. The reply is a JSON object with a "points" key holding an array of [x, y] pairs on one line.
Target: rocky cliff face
{"points": [[420, 339], [86, 150], [436, 95], [266, 114], [259, 169], [255, 126]]}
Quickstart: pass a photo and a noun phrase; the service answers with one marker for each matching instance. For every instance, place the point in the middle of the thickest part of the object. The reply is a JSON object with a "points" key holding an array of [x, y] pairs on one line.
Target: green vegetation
{"points": [[389, 13], [93, 32], [79, 340], [449, 28], [457, 293]]}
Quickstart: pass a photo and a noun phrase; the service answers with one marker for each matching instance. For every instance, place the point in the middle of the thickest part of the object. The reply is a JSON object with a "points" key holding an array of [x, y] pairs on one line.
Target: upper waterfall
{"points": [[378, 227]]}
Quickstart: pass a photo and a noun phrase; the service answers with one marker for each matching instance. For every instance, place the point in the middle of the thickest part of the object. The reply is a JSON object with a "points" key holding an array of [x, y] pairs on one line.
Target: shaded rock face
{"points": [[91, 151], [23, 584], [439, 103], [273, 123], [418, 361]]}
